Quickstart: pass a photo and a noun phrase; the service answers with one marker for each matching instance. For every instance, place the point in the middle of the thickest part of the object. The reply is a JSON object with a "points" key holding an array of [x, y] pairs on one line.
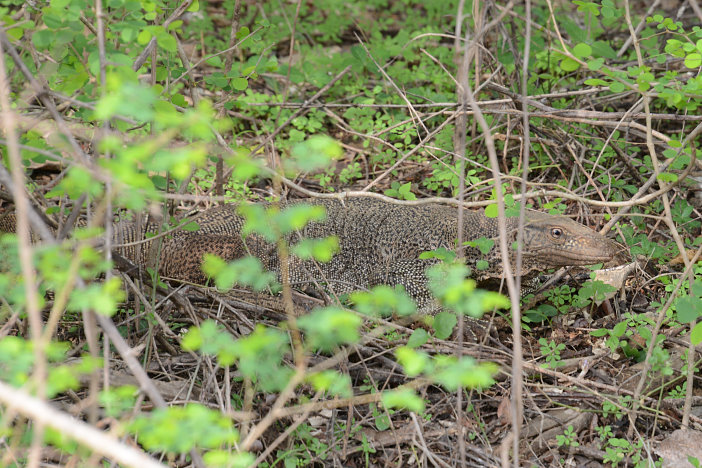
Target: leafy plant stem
{"points": [[652, 341], [517, 405], [25, 254], [671, 225], [460, 150], [97, 440]]}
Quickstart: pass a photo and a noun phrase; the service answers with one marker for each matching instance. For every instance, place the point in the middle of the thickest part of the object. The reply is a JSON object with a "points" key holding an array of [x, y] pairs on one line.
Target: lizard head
{"points": [[559, 241]]}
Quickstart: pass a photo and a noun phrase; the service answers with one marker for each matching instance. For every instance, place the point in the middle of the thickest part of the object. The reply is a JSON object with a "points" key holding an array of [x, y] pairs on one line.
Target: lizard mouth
{"points": [[565, 257], [589, 260], [559, 256]]}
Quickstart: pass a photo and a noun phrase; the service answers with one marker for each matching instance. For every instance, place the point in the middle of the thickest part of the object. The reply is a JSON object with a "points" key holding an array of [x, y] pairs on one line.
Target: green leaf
{"points": [[166, 41], [696, 334], [175, 25], [381, 419], [103, 298], [210, 338], [603, 49], [444, 323], [594, 65], [143, 37], [247, 271], [541, 313], [192, 226], [596, 82], [418, 338], [215, 61], [329, 327], [260, 356], [243, 32], [244, 166], [107, 106], [484, 244], [298, 216], [491, 211], [331, 381], [240, 84], [179, 100], [383, 301], [442, 253], [465, 372], [449, 284], [674, 47], [582, 50], [258, 220], [16, 360], [117, 401], [693, 60], [322, 249], [405, 399], [42, 38], [213, 265], [595, 290], [689, 308], [179, 429], [412, 361], [587, 7], [79, 181], [228, 458], [619, 329], [617, 87], [193, 339], [128, 99], [696, 287], [569, 65], [405, 191], [492, 300], [178, 161], [644, 332], [667, 177], [315, 153]]}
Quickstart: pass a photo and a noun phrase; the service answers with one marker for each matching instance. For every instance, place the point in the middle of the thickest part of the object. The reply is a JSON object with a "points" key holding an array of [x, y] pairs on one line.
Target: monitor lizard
{"points": [[379, 243]]}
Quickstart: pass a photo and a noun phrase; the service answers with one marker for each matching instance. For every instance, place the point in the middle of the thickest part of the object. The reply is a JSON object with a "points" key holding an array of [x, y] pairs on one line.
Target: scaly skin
{"points": [[379, 242]]}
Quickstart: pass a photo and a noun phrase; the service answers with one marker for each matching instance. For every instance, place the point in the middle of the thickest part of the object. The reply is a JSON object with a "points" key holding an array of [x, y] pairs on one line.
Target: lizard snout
{"points": [[563, 242]]}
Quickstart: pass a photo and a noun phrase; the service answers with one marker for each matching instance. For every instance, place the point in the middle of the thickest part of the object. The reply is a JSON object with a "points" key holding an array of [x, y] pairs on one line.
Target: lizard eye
{"points": [[556, 233]]}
